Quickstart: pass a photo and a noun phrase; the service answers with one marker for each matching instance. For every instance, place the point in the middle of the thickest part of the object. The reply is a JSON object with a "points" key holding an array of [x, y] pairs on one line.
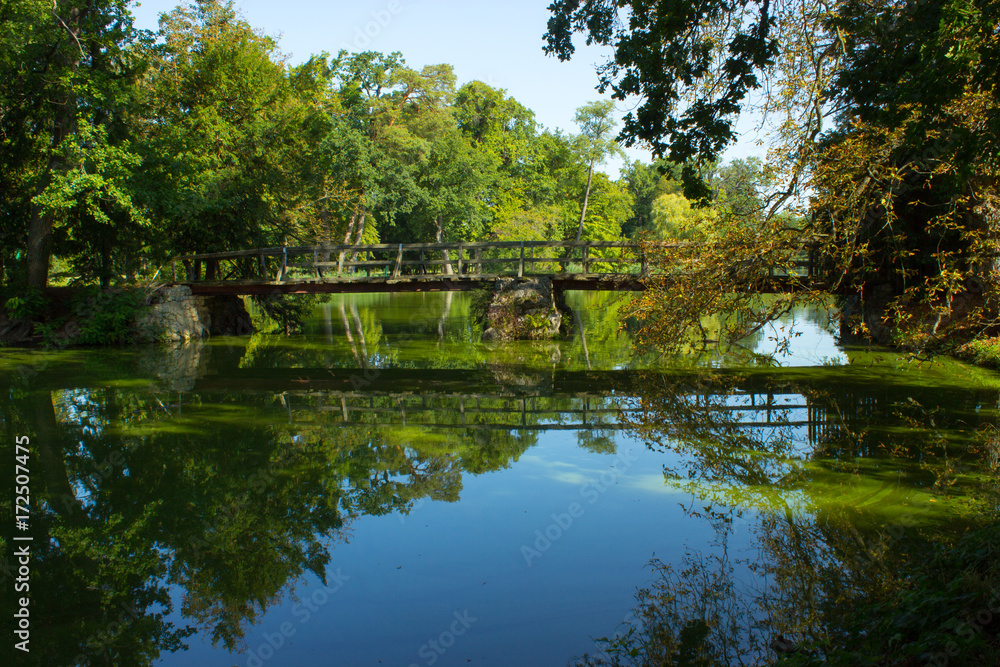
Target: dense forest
{"points": [[123, 147]]}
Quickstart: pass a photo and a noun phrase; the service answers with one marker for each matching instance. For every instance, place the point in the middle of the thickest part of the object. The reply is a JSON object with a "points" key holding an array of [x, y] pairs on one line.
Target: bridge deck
{"points": [[428, 267]]}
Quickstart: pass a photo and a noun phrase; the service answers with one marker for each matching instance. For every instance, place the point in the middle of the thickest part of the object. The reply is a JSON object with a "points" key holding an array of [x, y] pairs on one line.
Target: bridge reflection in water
{"points": [[565, 400]]}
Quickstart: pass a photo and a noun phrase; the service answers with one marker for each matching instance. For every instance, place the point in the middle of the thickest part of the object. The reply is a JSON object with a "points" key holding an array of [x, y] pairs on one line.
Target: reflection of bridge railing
{"points": [[581, 411], [426, 266]]}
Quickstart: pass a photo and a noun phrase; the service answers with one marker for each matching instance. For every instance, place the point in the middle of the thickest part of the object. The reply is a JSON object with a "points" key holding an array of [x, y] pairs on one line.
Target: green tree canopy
{"points": [[218, 119], [67, 69]]}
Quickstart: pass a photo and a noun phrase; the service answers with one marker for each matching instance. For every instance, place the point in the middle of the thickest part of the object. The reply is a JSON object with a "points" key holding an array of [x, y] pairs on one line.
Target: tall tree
{"points": [[503, 131], [220, 119], [646, 183], [67, 67], [596, 124], [401, 110]]}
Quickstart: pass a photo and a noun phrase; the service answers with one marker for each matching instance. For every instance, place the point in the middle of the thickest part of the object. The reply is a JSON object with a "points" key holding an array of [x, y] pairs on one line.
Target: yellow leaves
{"points": [[707, 292], [674, 219]]}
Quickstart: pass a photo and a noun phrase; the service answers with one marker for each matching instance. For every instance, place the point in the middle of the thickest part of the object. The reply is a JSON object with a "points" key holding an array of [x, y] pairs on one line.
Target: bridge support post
{"points": [[520, 266]]}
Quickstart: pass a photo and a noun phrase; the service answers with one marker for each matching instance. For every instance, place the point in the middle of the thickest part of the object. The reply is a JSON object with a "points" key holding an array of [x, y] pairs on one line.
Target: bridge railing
{"points": [[584, 259], [501, 258]]}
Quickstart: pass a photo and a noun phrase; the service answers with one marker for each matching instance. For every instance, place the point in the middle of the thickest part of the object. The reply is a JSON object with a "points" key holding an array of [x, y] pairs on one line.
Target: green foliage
{"points": [[26, 305], [220, 114], [482, 297], [907, 186], [91, 316], [983, 351], [647, 183], [675, 219], [944, 598], [900, 192], [97, 223], [662, 56], [69, 71], [105, 316], [596, 122]]}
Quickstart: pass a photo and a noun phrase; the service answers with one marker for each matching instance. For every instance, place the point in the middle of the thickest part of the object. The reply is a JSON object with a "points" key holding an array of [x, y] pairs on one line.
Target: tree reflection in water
{"points": [[842, 572], [157, 518]]}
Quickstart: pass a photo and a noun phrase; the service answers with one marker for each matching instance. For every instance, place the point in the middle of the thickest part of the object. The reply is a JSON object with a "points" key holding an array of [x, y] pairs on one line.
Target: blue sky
{"points": [[499, 43]]}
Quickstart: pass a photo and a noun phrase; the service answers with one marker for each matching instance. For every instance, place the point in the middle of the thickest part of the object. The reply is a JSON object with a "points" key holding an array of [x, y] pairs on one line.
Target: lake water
{"points": [[383, 489]]}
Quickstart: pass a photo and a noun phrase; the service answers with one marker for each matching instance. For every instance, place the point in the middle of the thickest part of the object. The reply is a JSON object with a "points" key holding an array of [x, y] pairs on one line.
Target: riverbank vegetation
{"points": [[884, 124]]}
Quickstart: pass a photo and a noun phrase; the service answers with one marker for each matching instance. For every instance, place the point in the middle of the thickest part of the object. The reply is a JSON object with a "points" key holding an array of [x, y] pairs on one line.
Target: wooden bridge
{"points": [[418, 267]]}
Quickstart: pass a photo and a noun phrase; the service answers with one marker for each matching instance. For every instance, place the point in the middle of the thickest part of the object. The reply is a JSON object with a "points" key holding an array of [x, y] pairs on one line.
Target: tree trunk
{"points": [[105, 262], [39, 234], [324, 216], [40, 225], [350, 229], [586, 197], [361, 228], [439, 238], [360, 233]]}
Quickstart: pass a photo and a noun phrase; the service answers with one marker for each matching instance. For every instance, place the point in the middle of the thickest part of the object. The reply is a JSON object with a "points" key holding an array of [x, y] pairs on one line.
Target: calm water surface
{"points": [[385, 489]]}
